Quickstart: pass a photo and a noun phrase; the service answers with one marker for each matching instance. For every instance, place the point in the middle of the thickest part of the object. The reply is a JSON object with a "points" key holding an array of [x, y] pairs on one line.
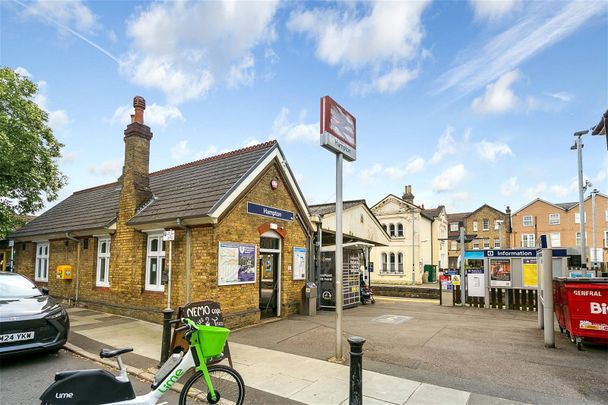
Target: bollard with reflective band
{"points": [[356, 370], [164, 353]]}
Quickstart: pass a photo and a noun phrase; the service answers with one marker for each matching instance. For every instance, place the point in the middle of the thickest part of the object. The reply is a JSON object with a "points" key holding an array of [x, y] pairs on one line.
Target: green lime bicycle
{"points": [[214, 384]]}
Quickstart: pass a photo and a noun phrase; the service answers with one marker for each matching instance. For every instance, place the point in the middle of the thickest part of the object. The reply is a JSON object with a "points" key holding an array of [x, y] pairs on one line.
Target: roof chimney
{"points": [[140, 105], [135, 179], [407, 195]]}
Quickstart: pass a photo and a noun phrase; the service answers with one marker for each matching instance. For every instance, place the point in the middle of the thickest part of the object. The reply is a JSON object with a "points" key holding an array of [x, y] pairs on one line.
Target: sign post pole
{"points": [[462, 251], [338, 135], [339, 261]]}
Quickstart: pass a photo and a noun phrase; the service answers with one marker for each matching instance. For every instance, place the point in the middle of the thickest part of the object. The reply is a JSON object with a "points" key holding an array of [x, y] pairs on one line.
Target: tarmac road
{"points": [[487, 351], [24, 378]]}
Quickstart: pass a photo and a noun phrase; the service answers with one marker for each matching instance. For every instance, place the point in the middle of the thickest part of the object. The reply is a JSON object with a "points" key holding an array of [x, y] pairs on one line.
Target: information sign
{"points": [[236, 263], [500, 272], [530, 273], [169, 235], [271, 212]]}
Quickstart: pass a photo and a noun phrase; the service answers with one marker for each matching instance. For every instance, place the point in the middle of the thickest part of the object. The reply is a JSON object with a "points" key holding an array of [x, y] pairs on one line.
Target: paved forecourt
{"points": [[295, 378]]}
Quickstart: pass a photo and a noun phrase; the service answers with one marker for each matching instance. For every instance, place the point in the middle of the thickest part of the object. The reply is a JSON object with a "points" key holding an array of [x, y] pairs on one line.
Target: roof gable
{"points": [[488, 207]]}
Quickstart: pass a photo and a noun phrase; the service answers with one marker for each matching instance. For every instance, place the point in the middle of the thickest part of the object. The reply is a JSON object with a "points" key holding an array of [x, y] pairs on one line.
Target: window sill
{"points": [[153, 292], [102, 287], [41, 281]]}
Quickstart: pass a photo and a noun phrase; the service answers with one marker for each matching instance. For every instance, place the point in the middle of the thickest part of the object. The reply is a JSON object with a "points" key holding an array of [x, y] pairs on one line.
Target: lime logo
{"points": [[64, 395], [171, 380]]}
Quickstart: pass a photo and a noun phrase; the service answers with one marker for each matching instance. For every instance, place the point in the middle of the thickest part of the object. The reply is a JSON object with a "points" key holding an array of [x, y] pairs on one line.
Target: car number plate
{"points": [[15, 337]]}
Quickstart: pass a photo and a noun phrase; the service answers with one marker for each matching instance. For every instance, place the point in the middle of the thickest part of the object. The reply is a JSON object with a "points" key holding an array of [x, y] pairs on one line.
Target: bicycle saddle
{"points": [[107, 353]]}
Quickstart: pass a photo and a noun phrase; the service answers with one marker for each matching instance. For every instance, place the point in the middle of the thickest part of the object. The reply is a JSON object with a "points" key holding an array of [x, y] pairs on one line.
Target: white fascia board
{"points": [[235, 193]]}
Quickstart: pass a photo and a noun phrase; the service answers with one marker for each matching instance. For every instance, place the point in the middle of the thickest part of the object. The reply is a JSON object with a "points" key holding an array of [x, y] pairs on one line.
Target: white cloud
{"points": [[180, 150], [210, 151], [68, 157], [57, 119], [414, 165], [449, 179], [369, 175], [498, 96], [249, 142], [185, 48], [154, 116], [538, 28], [491, 150], [509, 186], [383, 38], [561, 96], [23, 72], [492, 9], [107, 168], [68, 13], [535, 191], [446, 145], [570, 188], [283, 128]]}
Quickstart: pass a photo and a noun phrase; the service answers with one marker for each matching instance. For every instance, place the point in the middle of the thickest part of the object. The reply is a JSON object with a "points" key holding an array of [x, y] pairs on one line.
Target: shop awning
{"points": [[475, 255]]}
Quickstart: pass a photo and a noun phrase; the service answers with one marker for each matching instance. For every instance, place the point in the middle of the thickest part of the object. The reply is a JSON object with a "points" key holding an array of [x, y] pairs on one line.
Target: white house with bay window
{"points": [[417, 238]]}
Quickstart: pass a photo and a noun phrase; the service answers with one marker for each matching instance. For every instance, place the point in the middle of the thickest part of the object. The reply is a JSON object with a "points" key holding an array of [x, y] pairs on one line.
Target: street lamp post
{"points": [[578, 146], [594, 258], [413, 251]]}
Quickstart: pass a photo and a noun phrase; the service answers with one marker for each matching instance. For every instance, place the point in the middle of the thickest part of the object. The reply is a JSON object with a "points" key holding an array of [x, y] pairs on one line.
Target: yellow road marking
{"points": [[406, 299]]}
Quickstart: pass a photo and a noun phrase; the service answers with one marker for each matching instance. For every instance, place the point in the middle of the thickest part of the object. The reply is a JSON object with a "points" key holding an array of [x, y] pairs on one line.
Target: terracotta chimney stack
{"points": [[140, 105]]}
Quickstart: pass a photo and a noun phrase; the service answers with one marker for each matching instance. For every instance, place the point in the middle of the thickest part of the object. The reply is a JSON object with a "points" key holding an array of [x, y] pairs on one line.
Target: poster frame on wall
{"points": [[494, 281], [299, 263], [221, 279], [529, 274]]}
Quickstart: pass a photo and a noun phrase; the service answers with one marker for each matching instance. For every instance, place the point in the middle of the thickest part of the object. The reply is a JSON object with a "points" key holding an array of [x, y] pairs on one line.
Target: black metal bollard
{"points": [[164, 353], [356, 370]]}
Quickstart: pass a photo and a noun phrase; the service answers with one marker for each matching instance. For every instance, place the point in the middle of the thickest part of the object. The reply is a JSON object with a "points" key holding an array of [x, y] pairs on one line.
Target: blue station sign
{"points": [[270, 212], [510, 253]]}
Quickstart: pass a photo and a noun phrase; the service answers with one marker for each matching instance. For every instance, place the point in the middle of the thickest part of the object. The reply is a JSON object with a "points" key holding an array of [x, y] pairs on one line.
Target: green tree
{"points": [[28, 152]]}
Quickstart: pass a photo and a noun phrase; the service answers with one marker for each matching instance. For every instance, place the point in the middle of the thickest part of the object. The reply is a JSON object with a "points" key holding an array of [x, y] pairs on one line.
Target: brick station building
{"points": [[238, 218]]}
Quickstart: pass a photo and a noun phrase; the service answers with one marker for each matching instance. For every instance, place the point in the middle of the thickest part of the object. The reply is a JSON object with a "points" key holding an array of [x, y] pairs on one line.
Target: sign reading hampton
{"points": [[338, 129], [271, 212]]}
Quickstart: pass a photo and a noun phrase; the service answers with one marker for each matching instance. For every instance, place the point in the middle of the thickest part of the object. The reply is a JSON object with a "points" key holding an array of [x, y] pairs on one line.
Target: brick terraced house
{"points": [[241, 236]]}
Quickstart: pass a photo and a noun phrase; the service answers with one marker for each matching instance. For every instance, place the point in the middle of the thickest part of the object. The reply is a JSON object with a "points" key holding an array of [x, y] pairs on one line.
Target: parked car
{"points": [[30, 320]]}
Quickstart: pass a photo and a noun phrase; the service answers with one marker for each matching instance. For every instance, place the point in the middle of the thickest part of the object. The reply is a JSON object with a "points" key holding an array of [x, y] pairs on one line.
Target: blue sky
{"points": [[470, 102]]}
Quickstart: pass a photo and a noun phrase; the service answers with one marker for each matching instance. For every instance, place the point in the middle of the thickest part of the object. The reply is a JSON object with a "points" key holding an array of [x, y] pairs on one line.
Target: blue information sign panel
{"points": [[267, 211]]}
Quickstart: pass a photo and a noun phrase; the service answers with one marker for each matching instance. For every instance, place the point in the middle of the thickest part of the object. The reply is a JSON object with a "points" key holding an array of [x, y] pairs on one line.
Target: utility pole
{"points": [[594, 258], [578, 145]]}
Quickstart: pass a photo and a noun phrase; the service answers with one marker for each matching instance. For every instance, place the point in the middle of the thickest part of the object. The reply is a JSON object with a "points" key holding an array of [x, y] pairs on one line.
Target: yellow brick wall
{"points": [[491, 215]]}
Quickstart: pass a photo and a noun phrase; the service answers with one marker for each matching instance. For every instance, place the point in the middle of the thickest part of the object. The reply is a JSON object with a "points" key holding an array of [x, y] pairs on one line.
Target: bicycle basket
{"points": [[211, 340]]}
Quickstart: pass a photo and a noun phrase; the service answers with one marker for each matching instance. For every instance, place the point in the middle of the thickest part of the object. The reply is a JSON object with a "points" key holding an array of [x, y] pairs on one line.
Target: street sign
{"points": [[338, 129], [271, 212], [11, 243], [169, 235]]}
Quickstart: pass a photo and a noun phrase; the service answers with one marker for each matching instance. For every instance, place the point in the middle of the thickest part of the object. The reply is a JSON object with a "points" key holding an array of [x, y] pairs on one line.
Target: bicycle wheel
{"points": [[226, 382]]}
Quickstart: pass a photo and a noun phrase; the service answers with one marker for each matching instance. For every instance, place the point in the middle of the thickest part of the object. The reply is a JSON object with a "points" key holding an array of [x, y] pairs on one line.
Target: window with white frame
{"points": [[42, 261], [392, 258], [392, 230], [453, 245], [474, 226], [103, 262], [606, 239], [497, 224], [384, 262], [400, 230], [475, 244], [453, 226], [486, 243], [486, 224], [606, 215], [553, 219], [497, 243], [577, 217], [578, 238], [385, 228], [400, 263], [527, 240], [555, 239], [155, 262], [528, 220]]}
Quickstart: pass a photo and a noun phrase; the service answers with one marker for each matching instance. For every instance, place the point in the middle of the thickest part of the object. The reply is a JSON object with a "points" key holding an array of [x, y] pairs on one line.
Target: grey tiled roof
{"points": [[184, 191], [433, 212], [458, 216], [567, 205], [323, 209]]}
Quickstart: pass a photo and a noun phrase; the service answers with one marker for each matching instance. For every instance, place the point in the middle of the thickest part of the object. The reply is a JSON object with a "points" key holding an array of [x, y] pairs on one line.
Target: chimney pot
{"points": [[140, 105]]}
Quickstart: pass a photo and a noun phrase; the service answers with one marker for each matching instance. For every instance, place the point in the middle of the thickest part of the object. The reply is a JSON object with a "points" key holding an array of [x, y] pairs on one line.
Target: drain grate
{"points": [[392, 319]]}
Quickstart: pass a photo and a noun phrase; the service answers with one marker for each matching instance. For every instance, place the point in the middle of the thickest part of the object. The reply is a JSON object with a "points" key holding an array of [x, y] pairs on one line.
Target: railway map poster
{"points": [[500, 272], [299, 263], [236, 263]]}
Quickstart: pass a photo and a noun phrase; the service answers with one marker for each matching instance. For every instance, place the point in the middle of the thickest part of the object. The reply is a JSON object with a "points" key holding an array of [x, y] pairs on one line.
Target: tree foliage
{"points": [[28, 152]]}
